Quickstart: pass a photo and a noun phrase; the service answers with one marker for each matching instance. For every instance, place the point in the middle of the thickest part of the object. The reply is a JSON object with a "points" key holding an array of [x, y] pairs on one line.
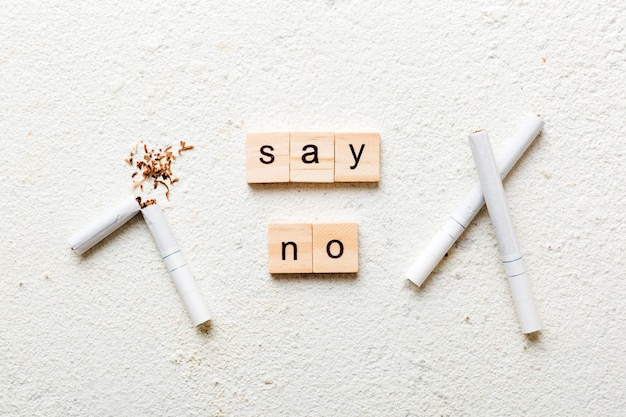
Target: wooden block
{"points": [[336, 247], [357, 157], [267, 157], [290, 248], [312, 157]]}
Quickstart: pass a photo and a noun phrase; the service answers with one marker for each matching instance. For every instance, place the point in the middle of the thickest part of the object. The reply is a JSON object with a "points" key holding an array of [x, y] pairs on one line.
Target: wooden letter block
{"points": [[267, 157], [357, 157], [290, 248], [312, 157], [336, 247]]}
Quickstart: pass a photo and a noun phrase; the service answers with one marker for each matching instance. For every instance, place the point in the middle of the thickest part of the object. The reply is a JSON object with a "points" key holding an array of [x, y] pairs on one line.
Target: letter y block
{"points": [[357, 157]]}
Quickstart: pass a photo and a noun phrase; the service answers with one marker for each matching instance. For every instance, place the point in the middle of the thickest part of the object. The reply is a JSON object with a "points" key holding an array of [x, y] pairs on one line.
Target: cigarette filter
{"points": [[499, 213], [104, 225], [176, 264], [441, 243]]}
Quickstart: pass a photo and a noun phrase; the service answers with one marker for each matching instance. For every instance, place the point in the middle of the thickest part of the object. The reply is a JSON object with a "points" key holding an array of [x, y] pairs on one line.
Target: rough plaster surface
{"points": [[106, 334]]}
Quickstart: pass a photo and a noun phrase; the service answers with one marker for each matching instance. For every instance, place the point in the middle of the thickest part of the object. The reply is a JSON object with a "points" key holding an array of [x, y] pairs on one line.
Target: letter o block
{"points": [[336, 248]]}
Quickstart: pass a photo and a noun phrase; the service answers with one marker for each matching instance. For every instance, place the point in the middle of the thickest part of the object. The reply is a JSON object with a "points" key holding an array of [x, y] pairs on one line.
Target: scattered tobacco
{"points": [[155, 164]]}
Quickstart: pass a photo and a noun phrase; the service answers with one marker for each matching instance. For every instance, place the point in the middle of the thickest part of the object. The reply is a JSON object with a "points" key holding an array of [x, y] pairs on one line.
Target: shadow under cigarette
{"points": [[204, 328], [533, 338]]}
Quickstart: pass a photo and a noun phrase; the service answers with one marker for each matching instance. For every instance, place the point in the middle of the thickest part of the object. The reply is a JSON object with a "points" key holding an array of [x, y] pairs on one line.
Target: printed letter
{"points": [[315, 160], [263, 152], [356, 157], [340, 249], [295, 250]]}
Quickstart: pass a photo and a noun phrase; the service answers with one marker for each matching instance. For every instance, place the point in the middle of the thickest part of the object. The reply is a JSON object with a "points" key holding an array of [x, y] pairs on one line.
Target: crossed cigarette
{"points": [[489, 190], [172, 255]]}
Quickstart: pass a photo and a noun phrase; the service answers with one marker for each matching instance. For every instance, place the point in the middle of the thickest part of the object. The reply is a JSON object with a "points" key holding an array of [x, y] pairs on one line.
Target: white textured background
{"points": [[106, 334]]}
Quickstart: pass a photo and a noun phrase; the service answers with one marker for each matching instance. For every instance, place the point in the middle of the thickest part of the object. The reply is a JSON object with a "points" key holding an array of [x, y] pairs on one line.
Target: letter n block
{"points": [[336, 248], [357, 157], [290, 248], [267, 157], [312, 157]]}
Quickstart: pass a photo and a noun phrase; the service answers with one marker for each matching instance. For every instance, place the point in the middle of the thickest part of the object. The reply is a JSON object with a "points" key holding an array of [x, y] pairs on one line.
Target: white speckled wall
{"points": [[106, 334]]}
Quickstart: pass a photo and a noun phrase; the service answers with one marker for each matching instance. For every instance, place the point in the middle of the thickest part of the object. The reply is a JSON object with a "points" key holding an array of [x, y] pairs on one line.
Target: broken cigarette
{"points": [[104, 225], [441, 243], [510, 254], [176, 265]]}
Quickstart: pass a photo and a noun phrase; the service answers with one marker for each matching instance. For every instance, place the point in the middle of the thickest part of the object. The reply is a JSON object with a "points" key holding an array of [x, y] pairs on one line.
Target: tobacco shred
{"points": [[155, 164], [184, 147], [146, 203]]}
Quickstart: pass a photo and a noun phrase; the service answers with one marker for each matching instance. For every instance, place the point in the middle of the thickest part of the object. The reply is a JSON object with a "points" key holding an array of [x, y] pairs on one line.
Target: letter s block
{"points": [[336, 248], [290, 248], [267, 157]]}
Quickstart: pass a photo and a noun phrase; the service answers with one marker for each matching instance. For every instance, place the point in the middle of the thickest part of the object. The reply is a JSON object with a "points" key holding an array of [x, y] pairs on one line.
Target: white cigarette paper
{"points": [[441, 243], [104, 225], [493, 192], [176, 264]]}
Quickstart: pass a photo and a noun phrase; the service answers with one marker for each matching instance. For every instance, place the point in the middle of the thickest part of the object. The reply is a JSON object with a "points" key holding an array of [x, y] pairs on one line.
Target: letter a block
{"points": [[312, 157], [336, 248], [267, 157], [357, 157], [290, 248]]}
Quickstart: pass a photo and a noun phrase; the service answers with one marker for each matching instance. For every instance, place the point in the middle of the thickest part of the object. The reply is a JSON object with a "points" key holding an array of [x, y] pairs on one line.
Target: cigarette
{"points": [[499, 213], [441, 243], [104, 225], [176, 264]]}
